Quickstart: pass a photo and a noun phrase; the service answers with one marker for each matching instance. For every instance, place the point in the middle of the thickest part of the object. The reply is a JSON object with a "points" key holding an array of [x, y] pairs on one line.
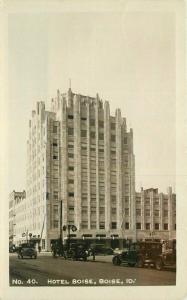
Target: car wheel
{"points": [[140, 263], [116, 261], [159, 264], [131, 264]]}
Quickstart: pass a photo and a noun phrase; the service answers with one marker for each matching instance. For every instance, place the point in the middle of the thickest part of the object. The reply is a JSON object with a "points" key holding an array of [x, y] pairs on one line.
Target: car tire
{"points": [[159, 264], [140, 263], [116, 261], [131, 264]]}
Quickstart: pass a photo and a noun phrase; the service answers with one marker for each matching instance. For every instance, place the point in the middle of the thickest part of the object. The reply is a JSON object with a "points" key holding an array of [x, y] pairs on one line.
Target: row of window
{"points": [[114, 225], [92, 122], [148, 213], [156, 226]]}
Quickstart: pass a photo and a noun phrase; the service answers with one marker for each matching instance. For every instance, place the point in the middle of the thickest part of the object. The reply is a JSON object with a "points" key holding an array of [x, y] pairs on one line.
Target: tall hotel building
{"points": [[81, 157]]}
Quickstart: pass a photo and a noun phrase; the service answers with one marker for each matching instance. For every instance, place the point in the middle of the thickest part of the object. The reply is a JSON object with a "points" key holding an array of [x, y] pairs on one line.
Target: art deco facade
{"points": [[81, 171], [155, 214], [81, 155]]}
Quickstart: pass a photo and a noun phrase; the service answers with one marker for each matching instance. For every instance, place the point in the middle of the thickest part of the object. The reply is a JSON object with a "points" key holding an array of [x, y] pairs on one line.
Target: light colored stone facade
{"points": [[81, 155], [81, 158], [17, 216], [155, 214]]}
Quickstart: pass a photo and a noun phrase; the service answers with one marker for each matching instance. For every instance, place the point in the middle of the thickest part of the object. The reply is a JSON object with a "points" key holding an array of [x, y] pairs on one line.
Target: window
{"points": [[70, 155], [114, 225], [101, 136], [127, 225], [165, 226], [147, 212], [84, 210], [83, 148], [84, 225], [55, 142], [83, 118], [138, 212], [112, 125], [101, 124], [165, 213], [147, 226], [126, 211], [101, 210], [113, 210], [55, 157], [70, 131], [156, 213], [83, 133], [92, 122], [55, 195], [138, 225], [54, 129], [70, 168], [70, 146], [71, 181], [147, 201], [113, 138], [101, 150], [55, 224], [71, 208], [125, 140], [102, 225], [93, 225], [156, 226], [55, 209], [92, 134], [71, 194], [70, 117], [126, 198]]}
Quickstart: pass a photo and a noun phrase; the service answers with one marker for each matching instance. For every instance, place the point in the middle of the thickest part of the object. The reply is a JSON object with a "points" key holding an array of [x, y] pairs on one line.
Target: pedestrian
{"points": [[39, 248], [93, 253], [54, 250]]}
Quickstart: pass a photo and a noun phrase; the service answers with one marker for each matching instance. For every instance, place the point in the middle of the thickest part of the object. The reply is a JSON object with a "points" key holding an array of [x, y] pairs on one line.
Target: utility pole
{"points": [[61, 222]]}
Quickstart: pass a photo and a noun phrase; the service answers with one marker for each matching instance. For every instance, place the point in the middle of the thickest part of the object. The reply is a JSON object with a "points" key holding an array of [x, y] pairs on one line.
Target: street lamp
{"points": [[69, 227]]}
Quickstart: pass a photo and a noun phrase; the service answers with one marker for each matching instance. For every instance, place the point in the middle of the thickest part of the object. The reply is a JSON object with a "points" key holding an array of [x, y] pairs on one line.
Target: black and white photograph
{"points": [[93, 142]]}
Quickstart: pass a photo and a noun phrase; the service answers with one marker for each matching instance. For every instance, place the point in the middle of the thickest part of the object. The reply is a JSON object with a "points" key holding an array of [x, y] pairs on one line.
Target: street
{"points": [[49, 271]]}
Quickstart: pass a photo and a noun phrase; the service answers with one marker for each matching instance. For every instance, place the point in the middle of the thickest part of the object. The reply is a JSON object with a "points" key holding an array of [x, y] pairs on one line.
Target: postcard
{"points": [[94, 166]]}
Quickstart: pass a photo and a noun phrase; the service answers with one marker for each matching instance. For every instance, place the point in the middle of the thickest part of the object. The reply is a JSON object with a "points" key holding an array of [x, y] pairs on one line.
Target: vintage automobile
{"points": [[76, 251], [100, 249], [27, 251], [142, 254]]}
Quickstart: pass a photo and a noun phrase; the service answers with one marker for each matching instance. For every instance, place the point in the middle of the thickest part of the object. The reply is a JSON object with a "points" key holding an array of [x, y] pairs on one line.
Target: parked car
{"points": [[76, 251], [100, 249], [118, 250], [27, 251], [145, 254]]}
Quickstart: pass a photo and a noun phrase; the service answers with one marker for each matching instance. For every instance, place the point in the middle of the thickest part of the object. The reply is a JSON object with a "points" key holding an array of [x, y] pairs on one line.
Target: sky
{"points": [[128, 58]]}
